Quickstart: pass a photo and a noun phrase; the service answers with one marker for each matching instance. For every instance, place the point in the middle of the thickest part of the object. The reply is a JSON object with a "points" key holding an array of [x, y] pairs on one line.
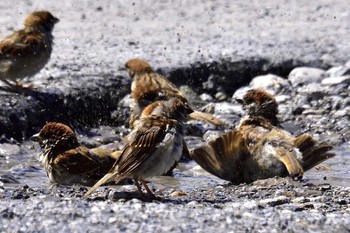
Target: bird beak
{"points": [[123, 68], [35, 137], [56, 20]]}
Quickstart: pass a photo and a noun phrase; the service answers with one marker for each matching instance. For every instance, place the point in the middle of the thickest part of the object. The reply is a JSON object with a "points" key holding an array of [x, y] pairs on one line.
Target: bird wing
{"points": [[197, 115], [222, 157], [80, 161], [22, 44], [147, 138]]}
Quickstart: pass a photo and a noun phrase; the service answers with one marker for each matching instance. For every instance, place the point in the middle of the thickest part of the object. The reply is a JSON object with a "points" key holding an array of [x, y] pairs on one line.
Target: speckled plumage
{"points": [[153, 146], [66, 161]]}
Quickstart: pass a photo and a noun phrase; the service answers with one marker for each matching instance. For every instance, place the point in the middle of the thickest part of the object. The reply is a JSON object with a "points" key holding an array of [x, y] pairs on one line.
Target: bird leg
{"points": [[138, 187], [149, 192]]}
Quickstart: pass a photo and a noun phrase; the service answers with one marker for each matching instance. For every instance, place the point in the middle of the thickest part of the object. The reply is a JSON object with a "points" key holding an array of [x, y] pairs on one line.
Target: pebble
{"points": [[206, 97], [274, 201], [339, 71], [336, 80], [272, 83], [306, 75]]}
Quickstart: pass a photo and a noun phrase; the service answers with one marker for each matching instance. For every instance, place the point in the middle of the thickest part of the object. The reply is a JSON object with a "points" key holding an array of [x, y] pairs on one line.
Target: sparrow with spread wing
{"points": [[260, 148]]}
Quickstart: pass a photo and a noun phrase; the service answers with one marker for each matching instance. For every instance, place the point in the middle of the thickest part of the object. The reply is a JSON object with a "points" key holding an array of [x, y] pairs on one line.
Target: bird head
{"points": [[41, 19], [258, 102], [173, 108], [138, 66], [56, 137]]}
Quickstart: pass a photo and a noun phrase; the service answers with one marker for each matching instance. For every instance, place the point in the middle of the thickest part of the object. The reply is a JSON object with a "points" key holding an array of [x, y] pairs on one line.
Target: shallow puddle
{"points": [[19, 165]]}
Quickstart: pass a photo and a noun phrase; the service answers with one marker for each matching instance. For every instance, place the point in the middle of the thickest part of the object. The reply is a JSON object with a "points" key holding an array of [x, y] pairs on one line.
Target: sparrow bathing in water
{"points": [[260, 148], [66, 161], [153, 146], [25, 52], [148, 86]]}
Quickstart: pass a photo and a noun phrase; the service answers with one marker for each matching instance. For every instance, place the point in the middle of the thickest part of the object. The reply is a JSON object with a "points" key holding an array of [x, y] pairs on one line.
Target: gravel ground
{"points": [[273, 205], [95, 38]]}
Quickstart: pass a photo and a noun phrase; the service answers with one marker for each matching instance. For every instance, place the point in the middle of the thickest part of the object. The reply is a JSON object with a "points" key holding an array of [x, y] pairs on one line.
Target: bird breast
{"points": [[164, 156]]}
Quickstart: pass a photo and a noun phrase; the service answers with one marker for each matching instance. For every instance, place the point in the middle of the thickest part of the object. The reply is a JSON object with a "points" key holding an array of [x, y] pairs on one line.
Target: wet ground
{"points": [[191, 201], [19, 165]]}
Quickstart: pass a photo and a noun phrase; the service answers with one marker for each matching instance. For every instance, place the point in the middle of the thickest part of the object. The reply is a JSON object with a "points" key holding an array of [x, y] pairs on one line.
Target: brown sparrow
{"points": [[260, 148], [154, 145], [25, 52], [148, 86], [66, 161]]}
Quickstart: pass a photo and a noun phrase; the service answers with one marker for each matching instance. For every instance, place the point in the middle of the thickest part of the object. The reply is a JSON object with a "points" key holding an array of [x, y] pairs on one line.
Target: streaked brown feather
{"points": [[313, 154], [138, 150], [223, 156], [80, 161]]}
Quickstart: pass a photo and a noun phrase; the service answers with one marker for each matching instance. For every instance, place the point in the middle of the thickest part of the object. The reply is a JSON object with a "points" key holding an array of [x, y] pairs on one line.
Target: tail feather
{"points": [[316, 160], [304, 142], [108, 177], [312, 153], [197, 115]]}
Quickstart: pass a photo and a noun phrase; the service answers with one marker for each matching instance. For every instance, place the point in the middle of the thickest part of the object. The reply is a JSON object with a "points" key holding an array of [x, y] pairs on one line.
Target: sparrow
{"points": [[66, 161], [25, 52], [154, 145], [260, 148], [148, 86]]}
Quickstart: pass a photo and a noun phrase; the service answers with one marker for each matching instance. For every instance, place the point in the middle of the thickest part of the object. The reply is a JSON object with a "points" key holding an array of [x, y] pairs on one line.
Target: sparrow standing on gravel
{"points": [[154, 145], [66, 161], [25, 52], [260, 148], [148, 86]]}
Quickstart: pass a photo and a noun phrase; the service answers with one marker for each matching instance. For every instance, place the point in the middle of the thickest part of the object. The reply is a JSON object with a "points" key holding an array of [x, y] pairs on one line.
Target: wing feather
{"points": [[223, 156]]}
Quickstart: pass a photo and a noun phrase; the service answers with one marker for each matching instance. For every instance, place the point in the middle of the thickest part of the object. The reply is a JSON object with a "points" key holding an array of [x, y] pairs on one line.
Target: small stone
{"points": [[275, 201], [339, 71], [239, 93], [228, 108], [336, 80], [206, 97], [272, 83], [221, 96], [192, 203], [177, 194], [305, 75], [209, 108], [282, 98], [211, 135], [314, 90], [342, 113]]}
